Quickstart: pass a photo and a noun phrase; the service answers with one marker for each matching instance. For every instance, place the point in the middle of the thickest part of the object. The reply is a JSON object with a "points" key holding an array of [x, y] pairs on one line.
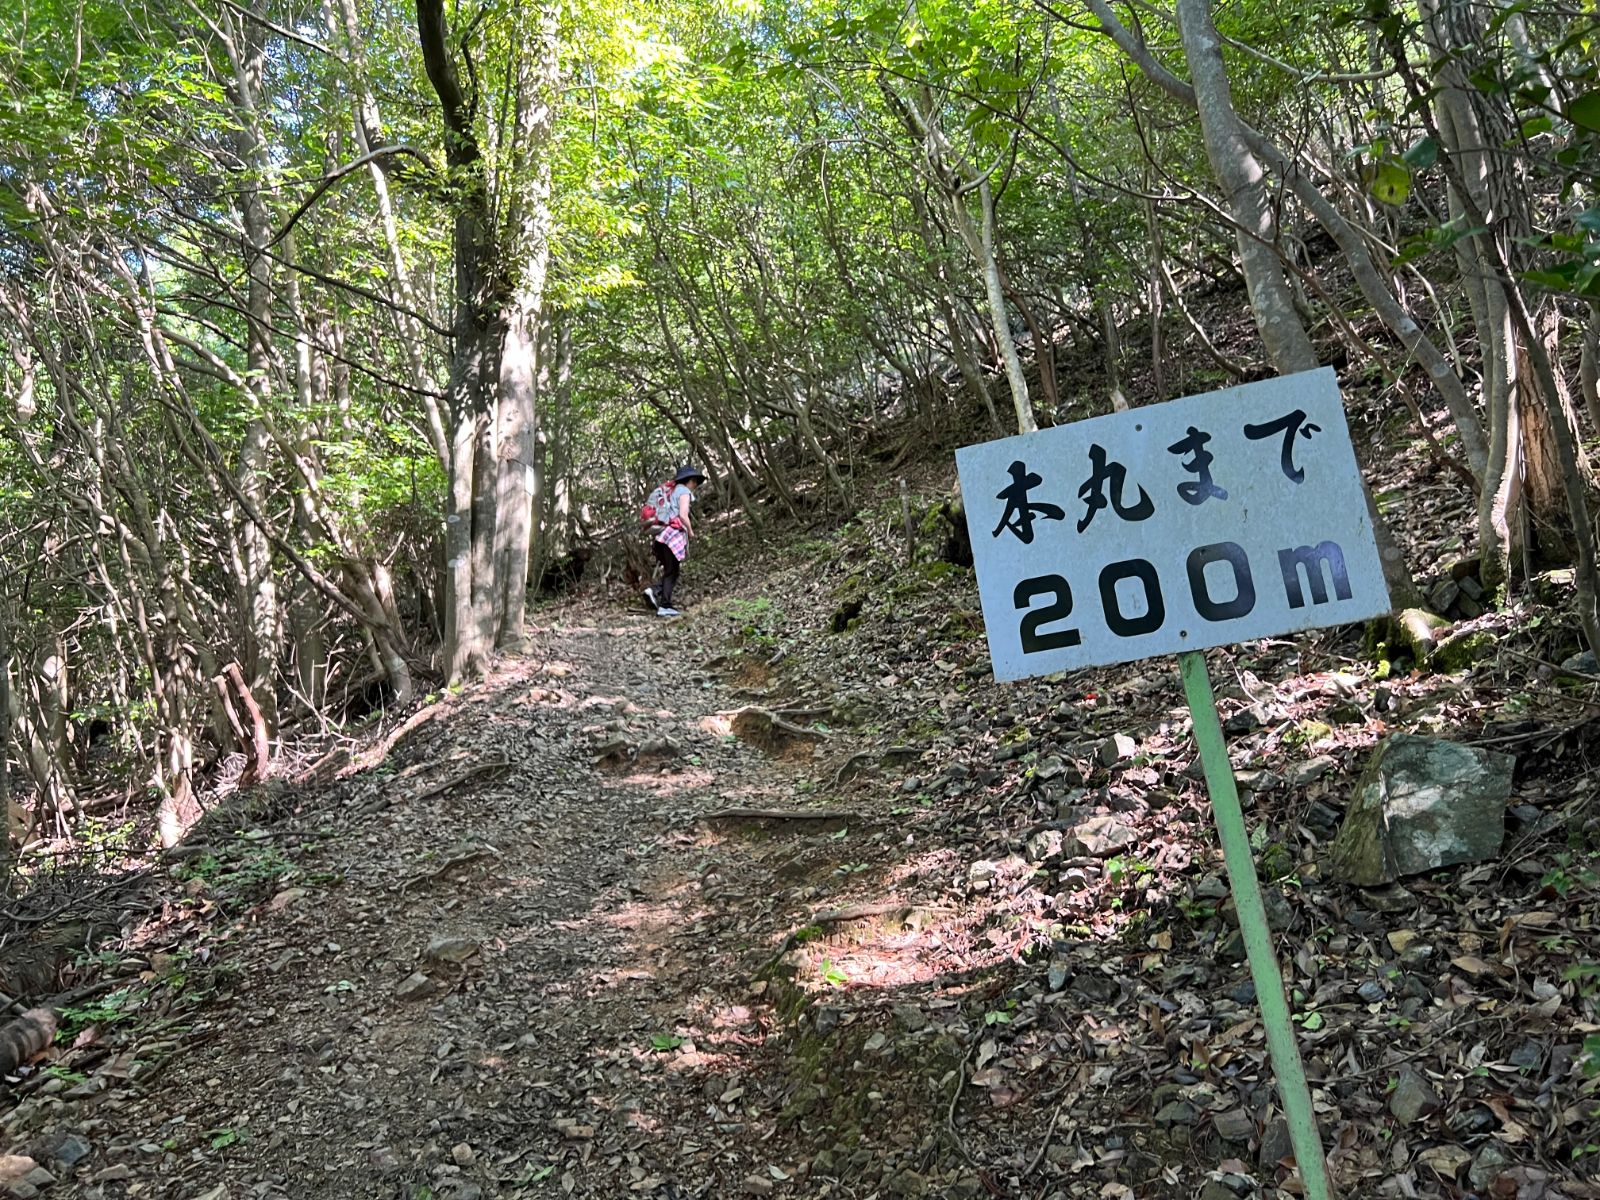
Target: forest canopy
{"points": [[330, 327]]}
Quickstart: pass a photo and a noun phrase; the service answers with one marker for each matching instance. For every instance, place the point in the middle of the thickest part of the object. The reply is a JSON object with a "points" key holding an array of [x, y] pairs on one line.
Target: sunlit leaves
{"points": [[1391, 183], [1584, 111]]}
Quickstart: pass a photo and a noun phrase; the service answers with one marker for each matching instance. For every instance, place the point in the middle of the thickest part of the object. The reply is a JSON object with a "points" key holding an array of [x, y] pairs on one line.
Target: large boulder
{"points": [[1422, 803]]}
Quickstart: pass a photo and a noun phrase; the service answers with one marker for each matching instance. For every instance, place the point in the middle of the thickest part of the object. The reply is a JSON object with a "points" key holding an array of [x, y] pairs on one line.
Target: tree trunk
{"points": [[1271, 299], [1158, 375], [263, 623], [1351, 241], [527, 246], [7, 858], [469, 600], [946, 300], [983, 249], [1243, 183], [1589, 365]]}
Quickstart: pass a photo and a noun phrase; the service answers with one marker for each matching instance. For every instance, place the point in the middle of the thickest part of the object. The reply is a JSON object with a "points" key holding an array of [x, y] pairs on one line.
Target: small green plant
{"points": [[1000, 1016], [1304, 733], [1587, 976], [239, 873], [101, 836], [109, 1009], [1121, 869], [832, 975], [662, 1043], [757, 620], [1196, 910], [1570, 875], [106, 960], [1277, 861], [221, 1139]]}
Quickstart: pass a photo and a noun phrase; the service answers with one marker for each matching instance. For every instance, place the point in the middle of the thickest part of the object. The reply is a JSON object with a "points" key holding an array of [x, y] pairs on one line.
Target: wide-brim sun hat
{"points": [[687, 473]]}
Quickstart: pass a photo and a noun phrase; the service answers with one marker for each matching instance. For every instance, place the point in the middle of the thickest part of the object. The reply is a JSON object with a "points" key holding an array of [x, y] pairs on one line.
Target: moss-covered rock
{"points": [[1412, 632], [1462, 650], [1422, 803]]}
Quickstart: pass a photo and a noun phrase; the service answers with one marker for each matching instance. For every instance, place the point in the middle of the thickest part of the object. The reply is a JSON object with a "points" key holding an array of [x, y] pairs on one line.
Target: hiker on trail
{"points": [[671, 543]]}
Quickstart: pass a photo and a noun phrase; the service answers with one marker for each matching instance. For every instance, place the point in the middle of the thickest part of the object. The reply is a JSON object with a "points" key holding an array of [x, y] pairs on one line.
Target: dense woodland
{"points": [[331, 327]]}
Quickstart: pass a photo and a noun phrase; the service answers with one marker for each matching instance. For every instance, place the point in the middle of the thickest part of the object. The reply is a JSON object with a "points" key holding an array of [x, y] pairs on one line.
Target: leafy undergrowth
{"points": [[1081, 1004]]}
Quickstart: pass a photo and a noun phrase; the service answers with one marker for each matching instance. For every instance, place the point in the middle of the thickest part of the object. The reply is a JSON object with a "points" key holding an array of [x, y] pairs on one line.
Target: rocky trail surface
{"points": [[508, 957]]}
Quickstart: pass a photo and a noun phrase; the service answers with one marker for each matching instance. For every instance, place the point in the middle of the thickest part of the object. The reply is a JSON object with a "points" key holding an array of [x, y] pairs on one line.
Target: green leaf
{"points": [[1391, 184], [1313, 1022], [1585, 111], [1423, 155], [1549, 279], [1536, 126]]}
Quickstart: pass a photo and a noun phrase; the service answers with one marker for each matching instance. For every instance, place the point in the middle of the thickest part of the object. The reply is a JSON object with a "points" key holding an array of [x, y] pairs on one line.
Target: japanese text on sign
{"points": [[1212, 519]]}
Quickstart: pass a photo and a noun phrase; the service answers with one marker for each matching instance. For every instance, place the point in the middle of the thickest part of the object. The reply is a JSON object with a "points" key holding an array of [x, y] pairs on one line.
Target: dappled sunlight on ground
{"points": [[718, 724], [688, 779]]}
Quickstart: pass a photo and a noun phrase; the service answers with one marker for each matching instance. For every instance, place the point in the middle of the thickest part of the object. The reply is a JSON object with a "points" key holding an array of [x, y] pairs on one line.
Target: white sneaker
{"points": [[650, 597], [668, 612]]}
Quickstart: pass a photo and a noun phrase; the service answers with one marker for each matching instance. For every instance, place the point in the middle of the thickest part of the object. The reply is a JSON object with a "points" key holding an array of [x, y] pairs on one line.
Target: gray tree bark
{"points": [[526, 245], [1271, 299]]}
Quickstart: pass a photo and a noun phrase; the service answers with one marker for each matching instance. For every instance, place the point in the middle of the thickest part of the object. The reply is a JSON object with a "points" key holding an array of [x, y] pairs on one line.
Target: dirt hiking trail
{"points": [[512, 958]]}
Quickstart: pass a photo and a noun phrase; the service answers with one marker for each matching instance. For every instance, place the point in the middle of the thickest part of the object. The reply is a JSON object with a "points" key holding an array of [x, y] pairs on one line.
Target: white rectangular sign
{"points": [[1203, 521]]}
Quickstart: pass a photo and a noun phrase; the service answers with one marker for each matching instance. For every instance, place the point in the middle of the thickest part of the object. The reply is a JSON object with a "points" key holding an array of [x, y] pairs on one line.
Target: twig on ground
{"points": [[460, 777], [1556, 667], [70, 903], [383, 749], [780, 814], [378, 804], [1044, 1146], [859, 758], [860, 912], [955, 1099], [449, 865]]}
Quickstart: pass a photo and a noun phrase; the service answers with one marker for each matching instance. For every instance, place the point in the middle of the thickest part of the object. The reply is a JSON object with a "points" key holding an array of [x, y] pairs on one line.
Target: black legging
{"points": [[670, 566]]}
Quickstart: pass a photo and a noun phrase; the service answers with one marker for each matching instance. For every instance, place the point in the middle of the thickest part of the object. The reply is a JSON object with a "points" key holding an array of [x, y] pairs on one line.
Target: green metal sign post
{"points": [[1275, 1018]]}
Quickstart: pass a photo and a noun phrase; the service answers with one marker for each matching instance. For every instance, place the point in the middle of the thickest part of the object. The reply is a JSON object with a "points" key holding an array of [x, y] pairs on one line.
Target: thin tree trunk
{"points": [[7, 858], [984, 251], [1158, 374], [1271, 299], [1589, 366], [246, 47], [469, 533], [1243, 183], [1044, 354], [529, 251]]}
